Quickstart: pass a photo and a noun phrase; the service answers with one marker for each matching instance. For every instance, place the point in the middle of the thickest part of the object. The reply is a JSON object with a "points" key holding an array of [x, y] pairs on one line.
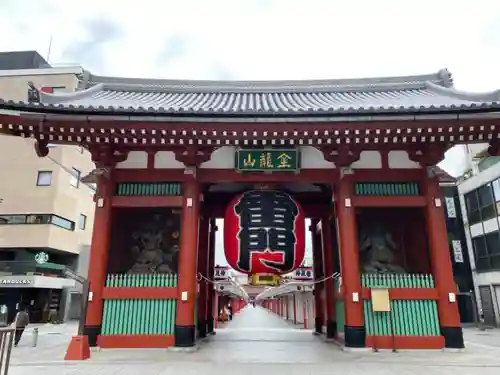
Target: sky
{"points": [[264, 39]]}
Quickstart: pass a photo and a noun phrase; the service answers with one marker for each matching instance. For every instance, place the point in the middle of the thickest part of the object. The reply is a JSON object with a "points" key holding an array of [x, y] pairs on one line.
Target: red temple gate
{"points": [[172, 151]]}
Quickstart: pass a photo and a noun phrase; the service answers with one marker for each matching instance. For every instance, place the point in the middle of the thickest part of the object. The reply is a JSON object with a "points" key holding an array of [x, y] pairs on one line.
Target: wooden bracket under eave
{"points": [[41, 148], [427, 155], [341, 156], [193, 156]]}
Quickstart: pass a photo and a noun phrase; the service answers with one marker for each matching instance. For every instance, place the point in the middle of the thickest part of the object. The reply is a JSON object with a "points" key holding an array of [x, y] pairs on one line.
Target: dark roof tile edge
{"points": [[347, 84]]}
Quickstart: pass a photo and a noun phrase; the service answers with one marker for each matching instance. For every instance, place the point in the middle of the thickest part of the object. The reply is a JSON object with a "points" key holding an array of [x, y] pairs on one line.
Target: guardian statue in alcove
{"points": [[377, 251], [156, 247]]}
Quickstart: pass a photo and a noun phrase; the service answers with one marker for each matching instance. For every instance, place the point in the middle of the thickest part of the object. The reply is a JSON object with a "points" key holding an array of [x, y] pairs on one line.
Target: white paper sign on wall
{"points": [[451, 210], [457, 251]]}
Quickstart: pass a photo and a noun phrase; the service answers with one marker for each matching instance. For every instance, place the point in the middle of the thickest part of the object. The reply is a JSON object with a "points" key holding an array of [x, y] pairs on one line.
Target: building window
{"points": [[82, 221], [486, 202], [44, 178], [62, 222], [487, 251], [37, 219], [472, 204], [12, 219], [496, 193], [75, 177], [53, 90], [481, 203], [488, 162]]}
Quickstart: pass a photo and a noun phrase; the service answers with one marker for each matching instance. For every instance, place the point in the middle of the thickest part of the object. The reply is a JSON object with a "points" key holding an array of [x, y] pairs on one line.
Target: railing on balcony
{"points": [[6, 341]]}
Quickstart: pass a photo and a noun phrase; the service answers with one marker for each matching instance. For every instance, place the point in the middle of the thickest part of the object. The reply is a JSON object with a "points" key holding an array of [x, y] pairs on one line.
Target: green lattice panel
{"points": [[149, 189], [407, 318], [139, 316], [387, 189]]}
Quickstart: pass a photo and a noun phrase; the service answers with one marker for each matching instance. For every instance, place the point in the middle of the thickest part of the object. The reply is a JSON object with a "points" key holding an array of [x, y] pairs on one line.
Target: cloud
{"points": [[98, 37], [174, 47], [274, 39], [265, 39]]}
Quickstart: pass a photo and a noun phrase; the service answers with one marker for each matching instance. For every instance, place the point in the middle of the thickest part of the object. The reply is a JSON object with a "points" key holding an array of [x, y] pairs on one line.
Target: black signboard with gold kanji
{"points": [[262, 160]]}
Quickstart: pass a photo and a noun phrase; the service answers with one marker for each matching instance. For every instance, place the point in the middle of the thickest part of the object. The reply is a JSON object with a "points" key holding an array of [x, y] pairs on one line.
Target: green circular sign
{"points": [[42, 258]]}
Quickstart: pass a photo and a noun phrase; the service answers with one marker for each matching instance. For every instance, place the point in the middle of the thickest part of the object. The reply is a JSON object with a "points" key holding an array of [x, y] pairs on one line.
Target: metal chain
{"points": [[334, 275]]}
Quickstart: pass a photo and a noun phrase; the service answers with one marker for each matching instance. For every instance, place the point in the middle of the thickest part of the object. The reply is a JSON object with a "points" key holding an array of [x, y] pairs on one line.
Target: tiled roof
{"points": [[431, 93], [444, 176]]}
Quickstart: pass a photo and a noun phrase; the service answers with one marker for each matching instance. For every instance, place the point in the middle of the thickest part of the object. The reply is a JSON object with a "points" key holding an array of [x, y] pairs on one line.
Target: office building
{"points": [[44, 207]]}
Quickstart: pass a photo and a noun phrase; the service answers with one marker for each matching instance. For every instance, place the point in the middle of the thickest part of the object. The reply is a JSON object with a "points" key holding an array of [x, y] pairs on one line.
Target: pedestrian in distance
{"points": [[20, 323]]}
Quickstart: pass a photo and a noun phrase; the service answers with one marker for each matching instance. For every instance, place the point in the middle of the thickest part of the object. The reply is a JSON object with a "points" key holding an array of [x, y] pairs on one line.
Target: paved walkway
{"points": [[256, 341]]}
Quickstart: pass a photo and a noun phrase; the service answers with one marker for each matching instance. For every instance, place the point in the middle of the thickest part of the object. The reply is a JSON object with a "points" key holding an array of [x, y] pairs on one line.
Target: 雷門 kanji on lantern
{"points": [[264, 232]]}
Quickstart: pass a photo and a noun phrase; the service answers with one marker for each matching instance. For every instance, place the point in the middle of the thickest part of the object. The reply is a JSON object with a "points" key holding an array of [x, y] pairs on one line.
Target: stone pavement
{"points": [[256, 341]]}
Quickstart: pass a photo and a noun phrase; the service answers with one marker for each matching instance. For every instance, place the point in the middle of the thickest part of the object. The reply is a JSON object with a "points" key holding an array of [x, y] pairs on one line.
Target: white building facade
{"points": [[480, 204]]}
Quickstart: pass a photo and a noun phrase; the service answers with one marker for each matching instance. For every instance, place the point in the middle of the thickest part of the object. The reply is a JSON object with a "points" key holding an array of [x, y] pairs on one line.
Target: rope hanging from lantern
{"points": [[334, 275]]}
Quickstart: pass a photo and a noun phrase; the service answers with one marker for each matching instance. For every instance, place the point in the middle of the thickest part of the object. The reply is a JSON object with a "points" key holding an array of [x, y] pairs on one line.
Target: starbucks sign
{"points": [[42, 258]]}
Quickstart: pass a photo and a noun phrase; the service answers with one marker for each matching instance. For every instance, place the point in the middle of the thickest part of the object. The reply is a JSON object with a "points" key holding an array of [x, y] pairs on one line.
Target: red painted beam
{"points": [[388, 175], [311, 210], [226, 176], [405, 342], [149, 175], [373, 201], [135, 341], [139, 293], [409, 294], [168, 201], [304, 176], [54, 120]]}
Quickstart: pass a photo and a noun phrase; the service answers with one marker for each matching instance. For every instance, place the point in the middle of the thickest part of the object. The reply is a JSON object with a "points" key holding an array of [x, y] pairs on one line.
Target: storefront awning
{"points": [[35, 281]]}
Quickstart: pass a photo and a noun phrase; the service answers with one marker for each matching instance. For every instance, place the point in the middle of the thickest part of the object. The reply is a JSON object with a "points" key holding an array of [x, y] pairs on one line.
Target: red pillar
{"points": [[287, 308], [216, 310], [318, 268], [184, 331], [326, 240], [294, 309], [99, 250], [210, 275], [202, 269], [354, 329], [449, 318], [304, 307]]}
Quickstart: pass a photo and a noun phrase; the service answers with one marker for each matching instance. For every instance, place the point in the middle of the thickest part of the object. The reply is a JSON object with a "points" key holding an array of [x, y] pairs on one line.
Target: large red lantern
{"points": [[264, 232]]}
